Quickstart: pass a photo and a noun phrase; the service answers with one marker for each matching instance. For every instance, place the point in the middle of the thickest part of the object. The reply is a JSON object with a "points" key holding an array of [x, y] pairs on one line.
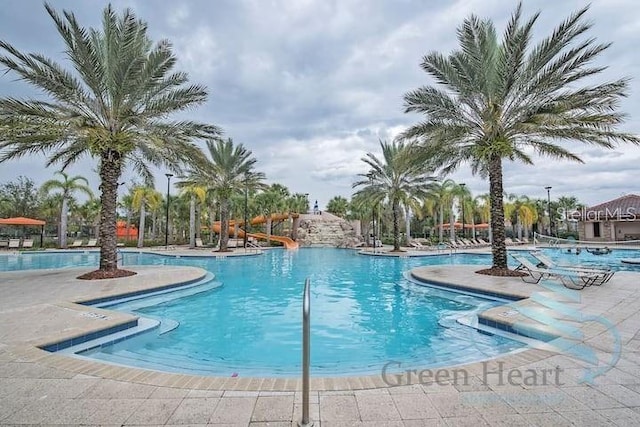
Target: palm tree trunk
{"points": [[110, 170], [212, 220], [452, 227], [498, 247], [192, 222], [441, 233], [224, 225], [408, 224], [198, 219], [63, 222], [143, 214], [154, 222], [396, 226]]}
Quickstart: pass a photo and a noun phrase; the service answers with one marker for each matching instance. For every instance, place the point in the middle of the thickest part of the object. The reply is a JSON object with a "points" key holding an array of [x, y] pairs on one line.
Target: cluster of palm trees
{"points": [[495, 100]]}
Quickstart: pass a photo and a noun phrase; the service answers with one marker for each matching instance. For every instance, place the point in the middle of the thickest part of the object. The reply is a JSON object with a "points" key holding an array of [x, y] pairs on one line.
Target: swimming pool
{"points": [[364, 314]]}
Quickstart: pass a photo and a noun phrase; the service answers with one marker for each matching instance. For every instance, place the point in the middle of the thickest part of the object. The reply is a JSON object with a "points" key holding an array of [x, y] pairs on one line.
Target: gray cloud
{"points": [[311, 86]]}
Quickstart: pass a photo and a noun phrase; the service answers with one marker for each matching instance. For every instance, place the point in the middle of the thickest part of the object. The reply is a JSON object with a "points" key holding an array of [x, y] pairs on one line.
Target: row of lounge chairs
{"points": [[17, 244], [452, 244], [92, 243], [511, 241], [573, 277]]}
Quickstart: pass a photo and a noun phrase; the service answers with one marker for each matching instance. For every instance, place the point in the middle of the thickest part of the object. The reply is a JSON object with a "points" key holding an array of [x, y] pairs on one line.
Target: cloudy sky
{"points": [[310, 86]]}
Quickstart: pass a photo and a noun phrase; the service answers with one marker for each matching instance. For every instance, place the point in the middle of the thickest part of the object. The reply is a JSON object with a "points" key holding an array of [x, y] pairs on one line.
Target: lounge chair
{"points": [[570, 279], [199, 243], [27, 243], [605, 273], [14, 243], [76, 244], [92, 243], [419, 246]]}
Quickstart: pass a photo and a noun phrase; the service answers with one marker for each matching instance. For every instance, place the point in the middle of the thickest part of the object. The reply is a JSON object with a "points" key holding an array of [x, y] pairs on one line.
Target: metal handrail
{"points": [[306, 353]]}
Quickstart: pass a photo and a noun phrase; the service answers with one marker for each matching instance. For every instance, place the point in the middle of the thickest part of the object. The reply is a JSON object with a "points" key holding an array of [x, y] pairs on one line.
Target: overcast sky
{"points": [[310, 86]]}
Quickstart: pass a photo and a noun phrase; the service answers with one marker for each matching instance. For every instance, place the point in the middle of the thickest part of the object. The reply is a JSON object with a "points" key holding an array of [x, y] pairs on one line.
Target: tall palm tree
{"points": [[112, 104], [442, 196], [144, 196], [567, 204], [483, 202], [395, 179], [66, 187], [225, 172], [197, 194], [500, 98]]}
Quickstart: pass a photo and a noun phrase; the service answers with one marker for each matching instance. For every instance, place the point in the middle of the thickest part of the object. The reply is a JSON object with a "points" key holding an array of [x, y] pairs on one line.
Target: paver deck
{"points": [[39, 388]]}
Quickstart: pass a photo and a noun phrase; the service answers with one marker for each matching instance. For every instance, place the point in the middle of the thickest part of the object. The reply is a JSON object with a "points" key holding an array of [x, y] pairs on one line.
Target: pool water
{"points": [[364, 313]]}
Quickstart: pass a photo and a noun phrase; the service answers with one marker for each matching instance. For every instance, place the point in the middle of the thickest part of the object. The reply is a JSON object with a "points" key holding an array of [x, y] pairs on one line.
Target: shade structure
{"points": [[20, 220]]}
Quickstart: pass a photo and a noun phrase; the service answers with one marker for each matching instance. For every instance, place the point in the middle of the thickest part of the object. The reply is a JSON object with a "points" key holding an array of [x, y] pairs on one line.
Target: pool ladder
{"points": [[306, 353]]}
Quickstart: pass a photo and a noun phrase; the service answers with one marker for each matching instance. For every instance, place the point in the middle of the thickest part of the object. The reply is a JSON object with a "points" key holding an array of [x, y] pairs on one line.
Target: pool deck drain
{"points": [[37, 387]]}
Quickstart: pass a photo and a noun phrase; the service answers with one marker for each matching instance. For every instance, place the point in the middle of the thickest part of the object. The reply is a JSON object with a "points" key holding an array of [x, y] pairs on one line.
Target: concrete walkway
{"points": [[41, 388]]}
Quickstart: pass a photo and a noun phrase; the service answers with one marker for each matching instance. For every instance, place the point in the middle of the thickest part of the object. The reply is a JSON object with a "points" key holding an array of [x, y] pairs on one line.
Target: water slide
{"points": [[286, 241]]}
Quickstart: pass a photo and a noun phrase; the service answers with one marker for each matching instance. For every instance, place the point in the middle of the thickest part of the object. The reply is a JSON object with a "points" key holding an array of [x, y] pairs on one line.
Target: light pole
{"points": [[549, 206], [166, 225], [463, 187], [246, 209]]}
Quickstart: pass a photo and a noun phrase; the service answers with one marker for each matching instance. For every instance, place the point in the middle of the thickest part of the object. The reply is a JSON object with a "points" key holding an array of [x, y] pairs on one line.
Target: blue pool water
{"points": [[364, 314]]}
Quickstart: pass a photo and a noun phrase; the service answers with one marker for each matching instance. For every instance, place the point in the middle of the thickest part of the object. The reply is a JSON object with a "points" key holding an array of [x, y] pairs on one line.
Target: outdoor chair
{"points": [[419, 246], [92, 243], [605, 274], [570, 279], [76, 244], [14, 243], [27, 243], [199, 243]]}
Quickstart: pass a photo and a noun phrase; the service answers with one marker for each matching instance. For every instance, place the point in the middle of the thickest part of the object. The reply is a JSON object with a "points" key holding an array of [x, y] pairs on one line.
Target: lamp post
{"points": [[548, 188], [246, 209], [166, 225], [463, 187]]}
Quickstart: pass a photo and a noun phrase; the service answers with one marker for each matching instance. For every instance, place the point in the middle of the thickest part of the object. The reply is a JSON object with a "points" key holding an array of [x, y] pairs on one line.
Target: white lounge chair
{"points": [[92, 243], [76, 244], [570, 279], [27, 243], [605, 274], [14, 243], [419, 246], [199, 243]]}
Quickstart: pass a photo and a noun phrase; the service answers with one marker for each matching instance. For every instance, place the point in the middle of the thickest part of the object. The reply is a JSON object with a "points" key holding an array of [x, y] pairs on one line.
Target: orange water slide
{"points": [[286, 241]]}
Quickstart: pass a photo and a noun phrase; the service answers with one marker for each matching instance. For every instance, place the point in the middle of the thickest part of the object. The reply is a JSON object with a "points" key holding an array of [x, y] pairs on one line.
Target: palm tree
{"points": [[441, 194], [144, 196], [197, 194], [112, 104], [126, 202], [90, 214], [501, 98], [395, 179], [567, 204], [338, 206], [483, 202], [226, 172], [66, 187]]}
